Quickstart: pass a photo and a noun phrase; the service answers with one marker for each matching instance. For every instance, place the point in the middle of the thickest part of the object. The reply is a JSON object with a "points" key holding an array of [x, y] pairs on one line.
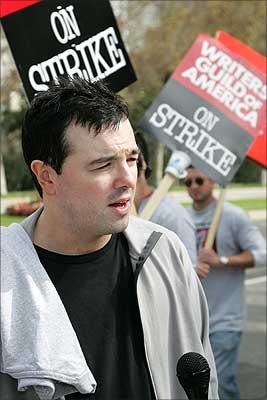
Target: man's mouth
{"points": [[121, 205]]}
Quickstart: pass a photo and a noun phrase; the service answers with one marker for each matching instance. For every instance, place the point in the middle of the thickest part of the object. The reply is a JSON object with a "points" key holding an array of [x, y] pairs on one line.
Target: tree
{"points": [[13, 106], [157, 34]]}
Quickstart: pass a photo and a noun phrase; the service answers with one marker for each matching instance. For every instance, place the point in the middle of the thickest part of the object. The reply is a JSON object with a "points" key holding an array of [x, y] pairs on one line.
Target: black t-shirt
{"points": [[98, 292]]}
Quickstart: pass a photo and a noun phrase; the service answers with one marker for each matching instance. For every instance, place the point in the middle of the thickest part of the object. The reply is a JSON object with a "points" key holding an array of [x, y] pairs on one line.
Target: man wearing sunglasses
{"points": [[238, 245], [168, 213]]}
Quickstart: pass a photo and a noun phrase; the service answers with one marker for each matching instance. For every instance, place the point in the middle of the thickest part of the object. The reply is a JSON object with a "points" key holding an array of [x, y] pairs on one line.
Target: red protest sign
{"points": [[227, 81], [212, 108], [249, 54], [257, 151], [11, 6]]}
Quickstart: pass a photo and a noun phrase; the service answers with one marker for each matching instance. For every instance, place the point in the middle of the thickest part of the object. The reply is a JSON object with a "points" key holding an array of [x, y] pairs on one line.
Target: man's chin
{"points": [[120, 226]]}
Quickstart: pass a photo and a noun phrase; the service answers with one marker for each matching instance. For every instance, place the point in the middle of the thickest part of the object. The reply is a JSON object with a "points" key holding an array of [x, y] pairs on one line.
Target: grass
{"points": [[176, 187], [9, 219], [251, 204], [247, 204], [26, 193], [180, 186]]}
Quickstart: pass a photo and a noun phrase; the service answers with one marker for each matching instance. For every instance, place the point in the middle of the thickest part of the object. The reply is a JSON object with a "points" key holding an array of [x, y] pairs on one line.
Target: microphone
{"points": [[193, 373]]}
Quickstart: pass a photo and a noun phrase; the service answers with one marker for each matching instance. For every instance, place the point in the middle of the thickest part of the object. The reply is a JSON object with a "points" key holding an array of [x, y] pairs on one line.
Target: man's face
{"points": [[199, 185], [97, 183]]}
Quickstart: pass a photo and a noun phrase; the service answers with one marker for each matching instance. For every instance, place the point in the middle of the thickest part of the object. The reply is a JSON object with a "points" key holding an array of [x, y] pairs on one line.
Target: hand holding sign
{"points": [[176, 169], [212, 107]]}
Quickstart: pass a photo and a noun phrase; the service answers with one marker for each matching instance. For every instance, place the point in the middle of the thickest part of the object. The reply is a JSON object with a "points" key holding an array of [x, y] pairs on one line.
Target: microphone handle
{"points": [[197, 393]]}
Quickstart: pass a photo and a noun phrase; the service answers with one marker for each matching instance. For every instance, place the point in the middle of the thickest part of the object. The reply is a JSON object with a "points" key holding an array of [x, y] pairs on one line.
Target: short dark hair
{"points": [[67, 100], [143, 155]]}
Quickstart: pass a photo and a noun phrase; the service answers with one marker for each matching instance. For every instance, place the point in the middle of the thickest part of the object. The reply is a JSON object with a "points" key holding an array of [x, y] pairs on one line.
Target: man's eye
{"points": [[103, 166], [132, 160]]}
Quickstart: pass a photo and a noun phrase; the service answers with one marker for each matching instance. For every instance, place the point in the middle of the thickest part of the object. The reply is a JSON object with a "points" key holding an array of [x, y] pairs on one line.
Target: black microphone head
{"points": [[193, 372]]}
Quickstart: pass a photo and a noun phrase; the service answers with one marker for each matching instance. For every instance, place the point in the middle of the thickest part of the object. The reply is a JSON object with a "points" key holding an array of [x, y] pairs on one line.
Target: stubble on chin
{"points": [[120, 226]]}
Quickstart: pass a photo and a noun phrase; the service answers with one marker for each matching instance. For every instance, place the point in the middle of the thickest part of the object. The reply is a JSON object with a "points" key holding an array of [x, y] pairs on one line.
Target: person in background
{"points": [[168, 213], [94, 304], [238, 245]]}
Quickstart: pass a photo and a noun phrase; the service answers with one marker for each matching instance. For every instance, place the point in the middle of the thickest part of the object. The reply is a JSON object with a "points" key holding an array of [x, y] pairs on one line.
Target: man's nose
{"points": [[126, 176], [194, 184]]}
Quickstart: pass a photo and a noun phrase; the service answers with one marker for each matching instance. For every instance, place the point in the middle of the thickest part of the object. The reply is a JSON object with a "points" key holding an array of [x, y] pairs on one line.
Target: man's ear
{"points": [[45, 175]]}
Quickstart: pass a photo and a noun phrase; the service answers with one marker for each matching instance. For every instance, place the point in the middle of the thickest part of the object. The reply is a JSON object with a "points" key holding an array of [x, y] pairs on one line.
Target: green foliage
{"points": [[32, 194], [6, 220], [160, 42], [17, 174], [251, 204], [247, 204], [10, 121], [248, 172], [175, 26], [142, 102]]}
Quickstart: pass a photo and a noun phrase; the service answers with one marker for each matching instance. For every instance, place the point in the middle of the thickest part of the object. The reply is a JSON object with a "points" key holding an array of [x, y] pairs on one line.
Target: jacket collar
{"points": [[138, 233]]}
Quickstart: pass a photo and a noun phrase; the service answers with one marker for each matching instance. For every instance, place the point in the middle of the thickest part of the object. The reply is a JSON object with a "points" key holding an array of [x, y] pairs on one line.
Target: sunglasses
{"points": [[198, 180]]}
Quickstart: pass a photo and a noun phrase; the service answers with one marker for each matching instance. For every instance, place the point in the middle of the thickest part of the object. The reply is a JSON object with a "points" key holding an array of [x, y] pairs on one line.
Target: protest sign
{"points": [[258, 150], [80, 38], [212, 107]]}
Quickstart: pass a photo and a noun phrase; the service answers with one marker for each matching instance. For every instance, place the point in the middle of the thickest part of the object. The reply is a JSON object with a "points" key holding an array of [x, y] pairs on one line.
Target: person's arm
{"points": [[173, 216], [250, 238], [244, 259], [250, 244], [185, 229]]}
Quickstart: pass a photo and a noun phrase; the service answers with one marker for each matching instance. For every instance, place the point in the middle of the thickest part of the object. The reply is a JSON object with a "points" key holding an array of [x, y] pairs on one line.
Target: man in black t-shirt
{"points": [[90, 195], [87, 187], [111, 336], [102, 305]]}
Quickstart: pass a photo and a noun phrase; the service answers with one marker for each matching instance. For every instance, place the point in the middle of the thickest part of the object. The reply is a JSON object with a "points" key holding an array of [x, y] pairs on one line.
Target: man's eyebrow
{"points": [[102, 160]]}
